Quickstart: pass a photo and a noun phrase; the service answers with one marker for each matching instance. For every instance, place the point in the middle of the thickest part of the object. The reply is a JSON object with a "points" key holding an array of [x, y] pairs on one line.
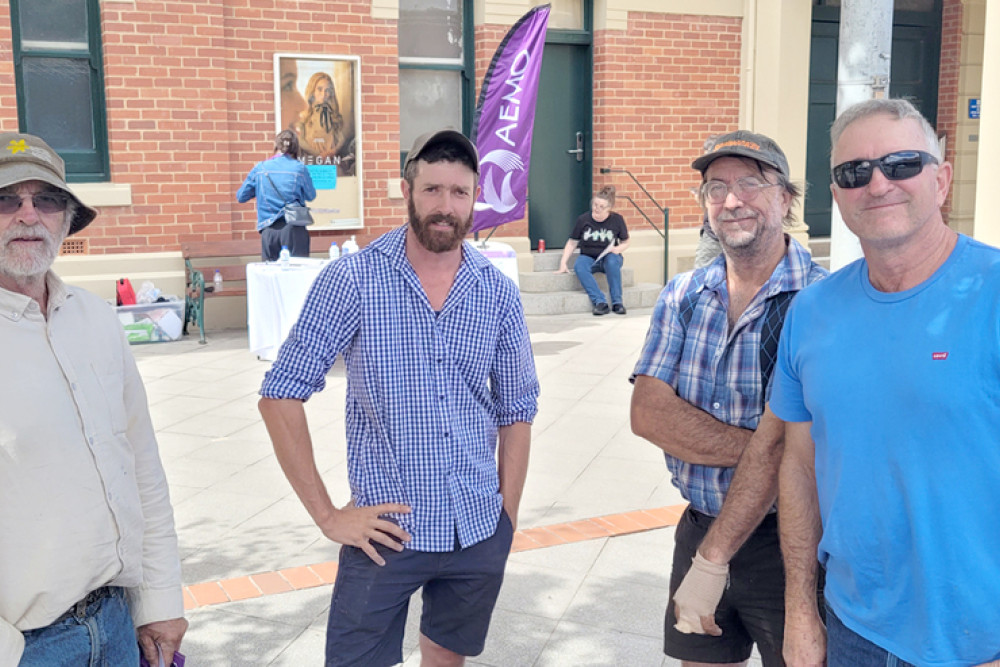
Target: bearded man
{"points": [[88, 560], [440, 376], [700, 393]]}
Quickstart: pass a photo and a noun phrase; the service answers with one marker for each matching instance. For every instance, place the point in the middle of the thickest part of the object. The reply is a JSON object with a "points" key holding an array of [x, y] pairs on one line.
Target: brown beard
{"points": [[435, 241]]}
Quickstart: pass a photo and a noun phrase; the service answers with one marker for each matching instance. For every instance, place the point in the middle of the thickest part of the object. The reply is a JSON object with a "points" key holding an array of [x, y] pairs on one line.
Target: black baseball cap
{"points": [[425, 141], [744, 143]]}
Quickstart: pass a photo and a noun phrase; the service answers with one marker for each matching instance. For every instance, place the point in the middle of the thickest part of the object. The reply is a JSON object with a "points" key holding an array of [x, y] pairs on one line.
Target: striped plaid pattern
{"points": [[426, 391], [710, 368]]}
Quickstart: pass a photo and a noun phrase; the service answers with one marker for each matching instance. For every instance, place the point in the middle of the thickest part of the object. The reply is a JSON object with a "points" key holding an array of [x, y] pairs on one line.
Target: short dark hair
{"points": [[442, 151]]}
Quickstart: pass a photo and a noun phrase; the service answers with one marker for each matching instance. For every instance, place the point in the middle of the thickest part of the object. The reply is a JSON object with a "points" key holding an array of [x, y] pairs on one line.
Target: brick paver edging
{"points": [[310, 576]]}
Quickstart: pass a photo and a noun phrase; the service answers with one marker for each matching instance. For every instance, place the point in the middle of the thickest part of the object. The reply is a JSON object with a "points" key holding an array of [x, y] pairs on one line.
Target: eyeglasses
{"points": [[44, 202], [897, 166], [745, 189]]}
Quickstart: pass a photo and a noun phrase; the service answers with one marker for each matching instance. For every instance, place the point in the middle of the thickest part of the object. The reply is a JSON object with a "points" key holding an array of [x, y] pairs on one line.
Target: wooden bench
{"points": [[201, 260], [230, 258]]}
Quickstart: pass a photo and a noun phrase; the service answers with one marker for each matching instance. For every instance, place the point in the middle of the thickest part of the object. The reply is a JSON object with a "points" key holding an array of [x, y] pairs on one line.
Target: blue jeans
{"points": [[611, 266], [846, 648], [97, 631]]}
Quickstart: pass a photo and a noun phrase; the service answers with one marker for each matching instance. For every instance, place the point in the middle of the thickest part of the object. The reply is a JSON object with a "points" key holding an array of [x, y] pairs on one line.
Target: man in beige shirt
{"points": [[88, 554]]}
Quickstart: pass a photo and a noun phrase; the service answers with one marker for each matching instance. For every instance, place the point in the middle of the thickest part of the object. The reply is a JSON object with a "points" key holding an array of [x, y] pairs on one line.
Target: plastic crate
{"points": [[152, 322]]}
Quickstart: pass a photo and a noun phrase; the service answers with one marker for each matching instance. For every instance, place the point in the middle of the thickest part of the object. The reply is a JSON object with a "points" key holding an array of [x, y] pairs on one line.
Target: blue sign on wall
{"points": [[974, 107]]}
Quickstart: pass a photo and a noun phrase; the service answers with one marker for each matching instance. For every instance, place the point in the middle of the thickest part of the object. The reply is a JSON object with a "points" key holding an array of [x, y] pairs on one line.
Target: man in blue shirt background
{"points": [[441, 392]]}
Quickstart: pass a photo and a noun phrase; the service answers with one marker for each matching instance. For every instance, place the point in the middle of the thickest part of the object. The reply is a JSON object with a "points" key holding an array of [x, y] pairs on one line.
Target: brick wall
{"points": [[660, 88], [948, 101], [190, 90]]}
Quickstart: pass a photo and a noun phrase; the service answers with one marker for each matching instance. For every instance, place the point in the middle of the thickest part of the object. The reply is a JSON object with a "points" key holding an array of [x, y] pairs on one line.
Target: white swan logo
{"points": [[509, 162]]}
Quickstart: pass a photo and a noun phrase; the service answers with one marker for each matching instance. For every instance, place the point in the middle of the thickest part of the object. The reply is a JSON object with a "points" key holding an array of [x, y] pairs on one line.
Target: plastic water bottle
{"points": [[284, 257], [217, 280], [334, 251], [350, 245]]}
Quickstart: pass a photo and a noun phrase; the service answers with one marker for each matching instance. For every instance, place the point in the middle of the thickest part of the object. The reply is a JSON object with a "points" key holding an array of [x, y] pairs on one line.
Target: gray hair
{"points": [[896, 108]]}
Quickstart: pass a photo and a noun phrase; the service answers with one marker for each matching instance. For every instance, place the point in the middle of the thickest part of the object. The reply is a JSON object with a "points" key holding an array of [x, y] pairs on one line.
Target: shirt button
{"points": [[73, 385], [447, 435], [716, 405]]}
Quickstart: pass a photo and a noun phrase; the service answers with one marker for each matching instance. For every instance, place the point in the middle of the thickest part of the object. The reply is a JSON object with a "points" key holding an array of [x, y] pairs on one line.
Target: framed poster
{"points": [[319, 98]]}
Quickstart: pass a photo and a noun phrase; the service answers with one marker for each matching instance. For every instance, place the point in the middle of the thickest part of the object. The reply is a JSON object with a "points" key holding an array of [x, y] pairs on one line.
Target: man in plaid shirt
{"points": [[700, 389], [441, 392]]}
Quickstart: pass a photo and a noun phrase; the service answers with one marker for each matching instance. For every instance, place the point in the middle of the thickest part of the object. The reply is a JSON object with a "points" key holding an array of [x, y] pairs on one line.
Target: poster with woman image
{"points": [[318, 97]]}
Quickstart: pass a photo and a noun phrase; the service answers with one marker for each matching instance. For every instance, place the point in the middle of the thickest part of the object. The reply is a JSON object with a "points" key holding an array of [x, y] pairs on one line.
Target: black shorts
{"points": [[368, 612], [752, 609]]}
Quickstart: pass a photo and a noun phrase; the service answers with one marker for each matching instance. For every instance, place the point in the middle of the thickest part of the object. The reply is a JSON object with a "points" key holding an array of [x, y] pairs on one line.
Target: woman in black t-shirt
{"points": [[602, 237]]}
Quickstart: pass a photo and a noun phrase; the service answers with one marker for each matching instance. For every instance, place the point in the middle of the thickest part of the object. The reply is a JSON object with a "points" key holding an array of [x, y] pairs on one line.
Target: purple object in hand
{"points": [[178, 660]]}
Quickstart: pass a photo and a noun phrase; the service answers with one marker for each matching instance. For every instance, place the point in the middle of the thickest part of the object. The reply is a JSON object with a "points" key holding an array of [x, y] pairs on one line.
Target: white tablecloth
{"points": [[501, 256], [274, 301]]}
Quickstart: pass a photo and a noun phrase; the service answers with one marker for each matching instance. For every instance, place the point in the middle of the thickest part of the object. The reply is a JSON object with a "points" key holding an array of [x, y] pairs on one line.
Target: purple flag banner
{"points": [[505, 116]]}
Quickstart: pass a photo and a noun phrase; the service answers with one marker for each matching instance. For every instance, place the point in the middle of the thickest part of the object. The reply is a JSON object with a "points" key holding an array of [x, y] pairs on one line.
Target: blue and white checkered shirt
{"points": [[426, 391], [710, 368]]}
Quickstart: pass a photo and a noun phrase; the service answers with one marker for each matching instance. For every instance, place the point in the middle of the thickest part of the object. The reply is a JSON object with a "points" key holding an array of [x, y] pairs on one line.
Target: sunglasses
{"points": [[897, 166], [44, 202]]}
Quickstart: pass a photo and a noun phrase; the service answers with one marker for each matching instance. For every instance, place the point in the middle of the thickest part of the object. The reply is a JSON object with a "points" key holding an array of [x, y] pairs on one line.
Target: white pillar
{"points": [[986, 225], [862, 74]]}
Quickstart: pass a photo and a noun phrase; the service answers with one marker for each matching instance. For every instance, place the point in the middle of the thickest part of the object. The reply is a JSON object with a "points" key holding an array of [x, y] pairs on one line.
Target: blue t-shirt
{"points": [[903, 392]]}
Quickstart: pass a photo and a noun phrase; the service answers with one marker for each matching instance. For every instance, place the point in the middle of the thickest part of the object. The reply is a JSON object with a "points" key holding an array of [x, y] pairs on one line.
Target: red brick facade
{"points": [[189, 90], [948, 102], [660, 88]]}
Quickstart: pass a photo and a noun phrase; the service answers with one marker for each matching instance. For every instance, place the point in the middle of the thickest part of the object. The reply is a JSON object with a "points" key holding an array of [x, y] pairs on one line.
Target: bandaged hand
{"points": [[698, 596]]}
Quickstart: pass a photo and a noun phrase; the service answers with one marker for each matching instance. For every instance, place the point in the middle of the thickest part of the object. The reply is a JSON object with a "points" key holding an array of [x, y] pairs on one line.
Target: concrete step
{"points": [[819, 247], [549, 260], [642, 295], [547, 281]]}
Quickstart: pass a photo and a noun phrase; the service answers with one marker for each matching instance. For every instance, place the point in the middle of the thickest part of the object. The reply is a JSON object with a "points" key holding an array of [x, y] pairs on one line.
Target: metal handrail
{"points": [[665, 211]]}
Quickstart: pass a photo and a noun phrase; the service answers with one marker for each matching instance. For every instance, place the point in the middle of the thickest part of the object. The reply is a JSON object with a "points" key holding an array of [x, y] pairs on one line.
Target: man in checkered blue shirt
{"points": [[441, 392], [699, 395]]}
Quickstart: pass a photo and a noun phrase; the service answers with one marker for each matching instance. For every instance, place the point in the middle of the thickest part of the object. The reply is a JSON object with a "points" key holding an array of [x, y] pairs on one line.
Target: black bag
{"points": [[295, 214]]}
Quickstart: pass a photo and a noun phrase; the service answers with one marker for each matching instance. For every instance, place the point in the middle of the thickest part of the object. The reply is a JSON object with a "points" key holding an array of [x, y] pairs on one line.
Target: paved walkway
{"points": [[586, 584]]}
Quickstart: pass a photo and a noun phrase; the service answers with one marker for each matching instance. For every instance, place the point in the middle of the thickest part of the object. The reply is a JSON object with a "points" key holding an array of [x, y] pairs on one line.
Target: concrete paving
{"points": [[591, 602]]}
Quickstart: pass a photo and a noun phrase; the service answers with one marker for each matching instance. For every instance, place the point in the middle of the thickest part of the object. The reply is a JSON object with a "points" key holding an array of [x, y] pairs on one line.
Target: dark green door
{"points": [[560, 180], [916, 53]]}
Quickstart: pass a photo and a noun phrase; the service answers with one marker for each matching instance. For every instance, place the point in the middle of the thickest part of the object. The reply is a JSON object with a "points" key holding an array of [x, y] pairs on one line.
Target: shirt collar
{"points": [[790, 275], [393, 246], [14, 304]]}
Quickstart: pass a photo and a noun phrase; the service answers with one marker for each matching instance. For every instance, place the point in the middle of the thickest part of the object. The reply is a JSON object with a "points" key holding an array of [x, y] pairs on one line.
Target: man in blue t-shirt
{"points": [[888, 377]]}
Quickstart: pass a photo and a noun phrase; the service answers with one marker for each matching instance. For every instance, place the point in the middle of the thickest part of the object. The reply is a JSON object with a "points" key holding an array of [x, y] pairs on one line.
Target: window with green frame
{"points": [[436, 68], [59, 73]]}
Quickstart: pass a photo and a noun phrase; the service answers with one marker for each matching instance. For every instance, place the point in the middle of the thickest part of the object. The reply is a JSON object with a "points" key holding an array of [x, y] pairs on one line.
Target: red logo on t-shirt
{"points": [[938, 356]]}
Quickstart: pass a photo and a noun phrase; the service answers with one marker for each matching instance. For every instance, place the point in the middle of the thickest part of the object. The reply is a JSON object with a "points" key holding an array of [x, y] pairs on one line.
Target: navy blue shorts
{"points": [[460, 589]]}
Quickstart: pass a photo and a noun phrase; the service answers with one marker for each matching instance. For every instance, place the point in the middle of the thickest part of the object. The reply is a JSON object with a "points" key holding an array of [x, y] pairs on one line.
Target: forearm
{"points": [[286, 424], [622, 246], [567, 252], [751, 493], [512, 463], [799, 521], [685, 432]]}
